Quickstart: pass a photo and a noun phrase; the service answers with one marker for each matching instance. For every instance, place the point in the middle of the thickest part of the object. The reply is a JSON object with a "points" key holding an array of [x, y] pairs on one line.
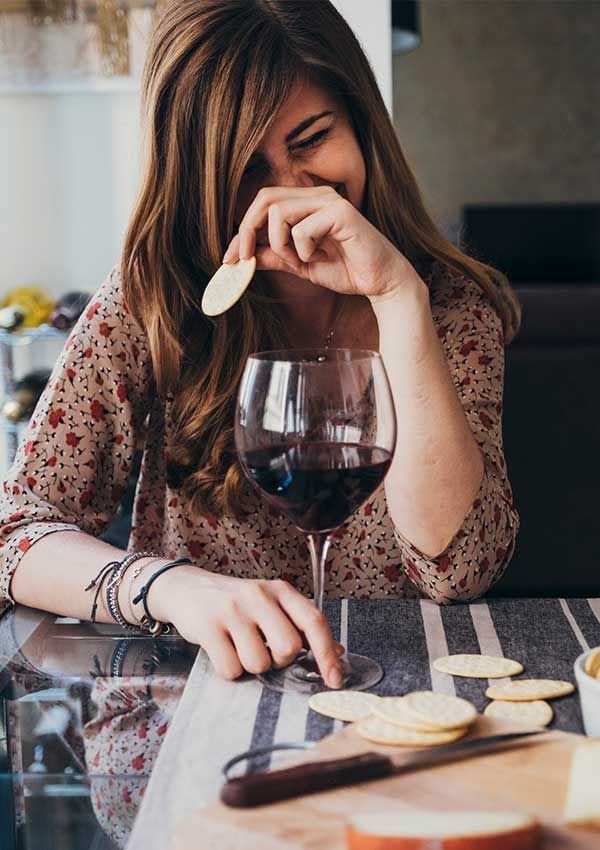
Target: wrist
{"points": [[169, 591], [405, 286], [135, 577]]}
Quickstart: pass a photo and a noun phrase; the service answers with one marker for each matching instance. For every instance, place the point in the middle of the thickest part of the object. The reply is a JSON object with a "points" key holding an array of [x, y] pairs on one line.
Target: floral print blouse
{"points": [[75, 458]]}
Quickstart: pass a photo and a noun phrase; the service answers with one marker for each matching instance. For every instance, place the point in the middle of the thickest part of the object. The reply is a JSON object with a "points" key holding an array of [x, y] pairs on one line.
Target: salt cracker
{"points": [[526, 690], [379, 732], [592, 663], [227, 286], [478, 666], [440, 710], [344, 705], [536, 713], [394, 710]]}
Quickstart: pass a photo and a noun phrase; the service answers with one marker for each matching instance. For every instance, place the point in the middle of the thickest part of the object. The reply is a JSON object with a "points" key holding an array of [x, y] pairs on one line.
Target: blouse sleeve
{"points": [[73, 463], [471, 334]]}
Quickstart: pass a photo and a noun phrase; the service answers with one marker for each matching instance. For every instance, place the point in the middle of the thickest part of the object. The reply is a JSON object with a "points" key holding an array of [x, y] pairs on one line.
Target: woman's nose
{"points": [[297, 180]]}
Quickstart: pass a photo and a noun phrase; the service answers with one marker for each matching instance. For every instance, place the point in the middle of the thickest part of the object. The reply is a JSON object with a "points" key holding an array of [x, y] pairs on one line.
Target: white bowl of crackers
{"points": [[587, 673]]}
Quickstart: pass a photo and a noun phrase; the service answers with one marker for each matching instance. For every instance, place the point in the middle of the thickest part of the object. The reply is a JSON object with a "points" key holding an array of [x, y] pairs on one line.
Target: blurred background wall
{"points": [[501, 103], [68, 170]]}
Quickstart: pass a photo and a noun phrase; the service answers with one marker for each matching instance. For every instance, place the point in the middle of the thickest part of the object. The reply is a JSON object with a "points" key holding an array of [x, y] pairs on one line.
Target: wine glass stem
{"points": [[318, 545]]}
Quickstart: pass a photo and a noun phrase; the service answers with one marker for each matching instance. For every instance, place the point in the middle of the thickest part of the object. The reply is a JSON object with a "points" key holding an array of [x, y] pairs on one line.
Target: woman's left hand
{"points": [[315, 233]]}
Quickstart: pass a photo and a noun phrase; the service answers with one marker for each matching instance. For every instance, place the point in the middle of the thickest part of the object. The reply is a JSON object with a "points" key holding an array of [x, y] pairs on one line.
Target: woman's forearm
{"points": [[55, 570], [438, 465]]}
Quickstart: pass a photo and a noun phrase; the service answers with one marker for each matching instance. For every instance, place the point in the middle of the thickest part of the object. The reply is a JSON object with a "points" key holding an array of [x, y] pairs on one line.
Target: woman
{"points": [[266, 135]]}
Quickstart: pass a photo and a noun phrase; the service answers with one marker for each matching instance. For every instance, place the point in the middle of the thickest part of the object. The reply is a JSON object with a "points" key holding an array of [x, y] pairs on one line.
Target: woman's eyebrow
{"points": [[304, 124]]}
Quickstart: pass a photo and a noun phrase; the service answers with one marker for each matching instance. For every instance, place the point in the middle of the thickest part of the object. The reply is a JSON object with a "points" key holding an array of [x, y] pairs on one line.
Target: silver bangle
{"points": [[112, 588]]}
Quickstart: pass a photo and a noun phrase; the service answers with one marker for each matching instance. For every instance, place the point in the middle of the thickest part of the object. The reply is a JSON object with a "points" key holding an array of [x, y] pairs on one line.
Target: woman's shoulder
{"points": [[110, 301], [107, 339], [108, 318], [457, 298]]}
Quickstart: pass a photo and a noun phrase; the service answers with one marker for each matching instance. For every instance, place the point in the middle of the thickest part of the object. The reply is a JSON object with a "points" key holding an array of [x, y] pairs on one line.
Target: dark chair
{"points": [[552, 442]]}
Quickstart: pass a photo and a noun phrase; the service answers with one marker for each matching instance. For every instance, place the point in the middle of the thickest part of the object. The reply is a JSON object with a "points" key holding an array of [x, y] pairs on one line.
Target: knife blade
{"points": [[259, 789]]}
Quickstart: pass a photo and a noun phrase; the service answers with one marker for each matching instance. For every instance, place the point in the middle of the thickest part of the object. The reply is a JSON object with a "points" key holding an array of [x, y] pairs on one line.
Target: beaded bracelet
{"points": [[135, 574], [112, 588], [117, 568]]}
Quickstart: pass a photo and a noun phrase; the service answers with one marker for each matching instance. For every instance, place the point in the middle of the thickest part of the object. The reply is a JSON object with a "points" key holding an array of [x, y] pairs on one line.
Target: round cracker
{"points": [[227, 286], [344, 705], [592, 663], [478, 666], [536, 713], [440, 710], [527, 690], [394, 710], [379, 732]]}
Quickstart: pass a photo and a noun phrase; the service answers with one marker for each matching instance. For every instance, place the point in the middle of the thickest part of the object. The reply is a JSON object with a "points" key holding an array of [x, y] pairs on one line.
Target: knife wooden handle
{"points": [[257, 789]]}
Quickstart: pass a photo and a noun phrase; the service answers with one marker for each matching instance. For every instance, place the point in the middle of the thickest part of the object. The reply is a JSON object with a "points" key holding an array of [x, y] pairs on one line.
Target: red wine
{"points": [[317, 485]]}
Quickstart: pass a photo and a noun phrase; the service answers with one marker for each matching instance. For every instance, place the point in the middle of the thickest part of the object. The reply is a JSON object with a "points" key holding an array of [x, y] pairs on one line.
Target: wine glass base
{"points": [[364, 674]]}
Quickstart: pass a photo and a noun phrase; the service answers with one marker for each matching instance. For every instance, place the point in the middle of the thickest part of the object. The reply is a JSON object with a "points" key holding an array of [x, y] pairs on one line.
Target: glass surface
{"points": [[83, 713], [315, 432]]}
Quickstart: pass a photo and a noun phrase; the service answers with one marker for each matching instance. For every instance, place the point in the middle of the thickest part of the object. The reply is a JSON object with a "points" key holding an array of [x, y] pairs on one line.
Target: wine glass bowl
{"points": [[315, 432]]}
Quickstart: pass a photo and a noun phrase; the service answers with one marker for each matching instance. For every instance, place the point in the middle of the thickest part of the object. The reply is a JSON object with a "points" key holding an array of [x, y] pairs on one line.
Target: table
{"points": [[213, 719]]}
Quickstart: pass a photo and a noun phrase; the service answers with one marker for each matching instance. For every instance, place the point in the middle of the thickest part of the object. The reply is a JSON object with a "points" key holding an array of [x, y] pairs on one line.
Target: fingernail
{"points": [[335, 677]]}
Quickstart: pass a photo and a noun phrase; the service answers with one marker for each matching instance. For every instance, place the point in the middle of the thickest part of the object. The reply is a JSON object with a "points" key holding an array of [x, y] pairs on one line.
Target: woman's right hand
{"points": [[234, 618]]}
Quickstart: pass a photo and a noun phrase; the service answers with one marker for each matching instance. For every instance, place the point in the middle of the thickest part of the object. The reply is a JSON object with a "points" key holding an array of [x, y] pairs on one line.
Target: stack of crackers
{"points": [[419, 719], [425, 718]]}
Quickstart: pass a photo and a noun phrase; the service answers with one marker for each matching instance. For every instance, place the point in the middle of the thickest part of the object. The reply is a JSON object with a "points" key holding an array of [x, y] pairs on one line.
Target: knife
{"points": [[258, 789]]}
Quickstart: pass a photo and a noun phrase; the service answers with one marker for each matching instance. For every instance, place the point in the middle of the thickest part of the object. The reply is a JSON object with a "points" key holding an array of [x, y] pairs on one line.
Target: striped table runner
{"points": [[217, 719]]}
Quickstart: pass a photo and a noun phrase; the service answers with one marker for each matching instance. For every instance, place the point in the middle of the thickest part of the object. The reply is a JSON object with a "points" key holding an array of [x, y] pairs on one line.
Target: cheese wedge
{"points": [[435, 830], [582, 807]]}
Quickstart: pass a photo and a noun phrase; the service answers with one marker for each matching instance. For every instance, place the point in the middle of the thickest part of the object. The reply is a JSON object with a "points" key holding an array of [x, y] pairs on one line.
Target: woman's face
{"points": [[310, 143]]}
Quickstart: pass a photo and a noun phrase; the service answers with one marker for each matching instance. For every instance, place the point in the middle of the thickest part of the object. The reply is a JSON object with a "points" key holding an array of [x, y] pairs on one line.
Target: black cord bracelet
{"points": [[154, 626]]}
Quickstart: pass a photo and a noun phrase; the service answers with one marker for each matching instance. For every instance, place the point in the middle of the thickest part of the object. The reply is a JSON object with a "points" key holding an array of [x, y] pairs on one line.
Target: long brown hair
{"points": [[216, 75]]}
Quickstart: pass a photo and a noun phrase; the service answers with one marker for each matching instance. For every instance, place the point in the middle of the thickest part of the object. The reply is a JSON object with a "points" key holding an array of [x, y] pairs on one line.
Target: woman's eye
{"points": [[308, 143], [254, 167]]}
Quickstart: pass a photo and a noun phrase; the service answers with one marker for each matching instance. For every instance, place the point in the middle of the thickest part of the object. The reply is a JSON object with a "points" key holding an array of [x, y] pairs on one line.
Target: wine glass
{"points": [[315, 431]]}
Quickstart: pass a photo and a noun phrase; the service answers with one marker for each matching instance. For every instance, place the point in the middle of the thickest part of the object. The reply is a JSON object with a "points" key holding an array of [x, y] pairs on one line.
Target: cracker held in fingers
{"points": [[227, 285]]}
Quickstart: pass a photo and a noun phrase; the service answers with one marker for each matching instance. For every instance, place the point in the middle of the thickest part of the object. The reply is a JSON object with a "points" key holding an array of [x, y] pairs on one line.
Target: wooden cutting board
{"points": [[531, 778]]}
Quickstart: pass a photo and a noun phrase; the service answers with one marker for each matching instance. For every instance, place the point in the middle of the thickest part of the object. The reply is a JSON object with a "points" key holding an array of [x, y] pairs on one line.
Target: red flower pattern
{"points": [[97, 410], [56, 417]]}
